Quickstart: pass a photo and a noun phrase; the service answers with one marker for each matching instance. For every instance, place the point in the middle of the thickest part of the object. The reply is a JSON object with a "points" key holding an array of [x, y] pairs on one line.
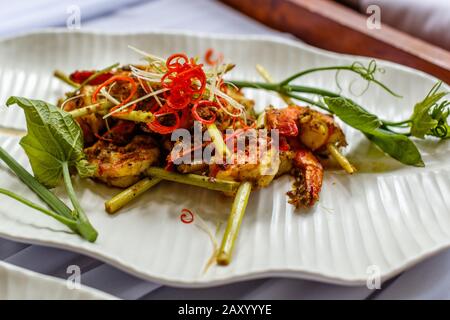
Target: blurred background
{"points": [[429, 20]]}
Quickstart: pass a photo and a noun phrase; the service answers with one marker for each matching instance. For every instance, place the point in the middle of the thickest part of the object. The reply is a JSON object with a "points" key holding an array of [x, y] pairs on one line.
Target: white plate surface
{"points": [[388, 215], [22, 284]]}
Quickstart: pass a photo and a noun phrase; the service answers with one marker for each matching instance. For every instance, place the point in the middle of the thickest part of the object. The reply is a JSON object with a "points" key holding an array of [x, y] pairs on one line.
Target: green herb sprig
{"points": [[430, 116], [54, 145]]}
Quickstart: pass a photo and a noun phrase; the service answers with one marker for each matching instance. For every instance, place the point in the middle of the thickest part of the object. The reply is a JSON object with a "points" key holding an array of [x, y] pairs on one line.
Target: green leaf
{"points": [[54, 144], [422, 119], [396, 145], [53, 138], [353, 114]]}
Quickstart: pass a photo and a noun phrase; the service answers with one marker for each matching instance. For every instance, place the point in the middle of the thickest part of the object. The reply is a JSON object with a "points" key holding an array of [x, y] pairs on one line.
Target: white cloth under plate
{"points": [[429, 279]]}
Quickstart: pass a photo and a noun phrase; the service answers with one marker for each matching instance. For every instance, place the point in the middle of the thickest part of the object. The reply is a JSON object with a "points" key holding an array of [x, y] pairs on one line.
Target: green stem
{"points": [[305, 72], [68, 222], [287, 91], [126, 196], [292, 90], [81, 112], [195, 180], [338, 68], [84, 226], [64, 78], [46, 195], [136, 116], [307, 100], [217, 139], [99, 73], [396, 124]]}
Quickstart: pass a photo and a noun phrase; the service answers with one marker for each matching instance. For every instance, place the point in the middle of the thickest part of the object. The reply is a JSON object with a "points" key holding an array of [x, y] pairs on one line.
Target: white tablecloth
{"points": [[429, 279]]}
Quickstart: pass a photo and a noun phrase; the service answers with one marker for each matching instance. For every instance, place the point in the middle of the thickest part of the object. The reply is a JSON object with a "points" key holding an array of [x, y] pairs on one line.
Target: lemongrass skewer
{"points": [[266, 76], [234, 223], [340, 158], [126, 196], [64, 78], [195, 180]]}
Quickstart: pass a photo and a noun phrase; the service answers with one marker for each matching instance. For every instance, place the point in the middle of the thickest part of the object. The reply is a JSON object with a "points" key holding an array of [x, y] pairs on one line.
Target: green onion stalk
{"points": [[75, 220]]}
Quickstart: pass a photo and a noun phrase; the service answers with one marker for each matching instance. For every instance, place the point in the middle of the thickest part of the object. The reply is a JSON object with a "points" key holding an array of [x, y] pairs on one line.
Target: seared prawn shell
{"points": [[122, 166], [304, 132]]}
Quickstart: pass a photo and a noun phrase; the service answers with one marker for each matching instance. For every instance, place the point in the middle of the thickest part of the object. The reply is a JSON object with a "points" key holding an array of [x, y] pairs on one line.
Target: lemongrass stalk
{"points": [[46, 195], [99, 73], [136, 116], [68, 222], [217, 139], [195, 180], [234, 223], [126, 196], [266, 76], [94, 108], [65, 78], [85, 229], [341, 159], [261, 121]]}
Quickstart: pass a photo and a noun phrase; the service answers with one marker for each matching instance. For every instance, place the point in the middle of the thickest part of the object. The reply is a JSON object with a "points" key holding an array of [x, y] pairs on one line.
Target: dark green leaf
{"points": [[398, 146], [353, 114], [53, 138]]}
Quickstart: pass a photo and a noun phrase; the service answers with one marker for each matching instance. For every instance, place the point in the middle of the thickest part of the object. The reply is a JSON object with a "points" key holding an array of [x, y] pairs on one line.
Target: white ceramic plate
{"points": [[388, 215], [19, 283]]}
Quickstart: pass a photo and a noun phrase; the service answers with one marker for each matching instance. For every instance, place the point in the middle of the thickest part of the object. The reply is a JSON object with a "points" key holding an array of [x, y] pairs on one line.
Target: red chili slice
{"points": [[125, 101], [208, 57], [156, 126]]}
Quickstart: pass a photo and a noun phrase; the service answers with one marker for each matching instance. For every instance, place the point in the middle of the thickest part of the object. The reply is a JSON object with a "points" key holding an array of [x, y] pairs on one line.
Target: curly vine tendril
{"points": [[367, 73]]}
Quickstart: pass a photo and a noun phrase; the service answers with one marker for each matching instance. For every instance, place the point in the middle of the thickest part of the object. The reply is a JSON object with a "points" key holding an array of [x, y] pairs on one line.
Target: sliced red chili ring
{"points": [[208, 57], [173, 61], [156, 126], [130, 96]]}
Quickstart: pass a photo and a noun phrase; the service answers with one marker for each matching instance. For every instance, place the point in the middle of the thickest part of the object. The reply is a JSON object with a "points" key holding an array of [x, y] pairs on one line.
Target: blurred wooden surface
{"points": [[329, 25]]}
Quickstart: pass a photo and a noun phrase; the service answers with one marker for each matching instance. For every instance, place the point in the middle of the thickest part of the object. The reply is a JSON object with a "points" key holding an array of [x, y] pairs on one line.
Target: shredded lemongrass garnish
{"points": [[144, 74], [213, 84], [109, 97], [151, 90], [135, 101], [70, 99], [107, 125], [204, 227], [231, 101], [147, 55]]}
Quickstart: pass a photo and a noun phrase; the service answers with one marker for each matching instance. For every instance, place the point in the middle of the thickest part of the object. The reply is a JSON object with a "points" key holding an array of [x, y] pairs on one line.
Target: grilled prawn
{"points": [[313, 129], [303, 132], [122, 166]]}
